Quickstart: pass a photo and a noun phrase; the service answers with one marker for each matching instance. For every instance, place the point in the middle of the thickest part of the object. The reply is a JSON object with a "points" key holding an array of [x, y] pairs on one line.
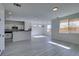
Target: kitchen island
{"points": [[21, 35]]}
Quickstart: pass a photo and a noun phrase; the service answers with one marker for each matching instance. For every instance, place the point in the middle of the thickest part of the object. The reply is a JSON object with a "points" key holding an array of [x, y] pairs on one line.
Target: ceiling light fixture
{"points": [[17, 4], [55, 9]]}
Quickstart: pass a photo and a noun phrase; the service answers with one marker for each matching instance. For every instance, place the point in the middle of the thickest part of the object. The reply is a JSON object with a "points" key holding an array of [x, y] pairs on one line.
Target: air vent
{"points": [[17, 4]]}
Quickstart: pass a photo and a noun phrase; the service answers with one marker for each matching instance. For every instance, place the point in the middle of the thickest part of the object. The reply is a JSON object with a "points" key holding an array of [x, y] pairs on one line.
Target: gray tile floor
{"points": [[39, 47]]}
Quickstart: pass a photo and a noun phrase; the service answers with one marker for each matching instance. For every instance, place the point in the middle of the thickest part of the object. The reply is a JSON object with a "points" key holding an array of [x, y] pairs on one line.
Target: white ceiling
{"points": [[41, 11]]}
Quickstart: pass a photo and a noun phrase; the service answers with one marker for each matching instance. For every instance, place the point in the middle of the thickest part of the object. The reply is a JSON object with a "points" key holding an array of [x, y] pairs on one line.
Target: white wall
{"points": [[36, 30], [2, 26]]}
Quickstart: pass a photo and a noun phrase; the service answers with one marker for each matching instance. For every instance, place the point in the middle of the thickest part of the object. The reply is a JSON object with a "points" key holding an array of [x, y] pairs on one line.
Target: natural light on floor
{"points": [[40, 36], [63, 46]]}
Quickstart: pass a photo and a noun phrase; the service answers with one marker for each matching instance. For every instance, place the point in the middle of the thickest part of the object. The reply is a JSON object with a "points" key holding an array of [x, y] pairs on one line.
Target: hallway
{"points": [[40, 47]]}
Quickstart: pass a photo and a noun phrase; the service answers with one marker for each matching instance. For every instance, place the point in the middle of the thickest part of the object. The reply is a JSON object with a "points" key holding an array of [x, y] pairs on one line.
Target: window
{"points": [[63, 26], [69, 26], [48, 28], [74, 25]]}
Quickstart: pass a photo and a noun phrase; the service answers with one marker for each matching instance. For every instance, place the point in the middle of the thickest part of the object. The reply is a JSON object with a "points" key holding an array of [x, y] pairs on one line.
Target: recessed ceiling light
{"points": [[55, 9]]}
